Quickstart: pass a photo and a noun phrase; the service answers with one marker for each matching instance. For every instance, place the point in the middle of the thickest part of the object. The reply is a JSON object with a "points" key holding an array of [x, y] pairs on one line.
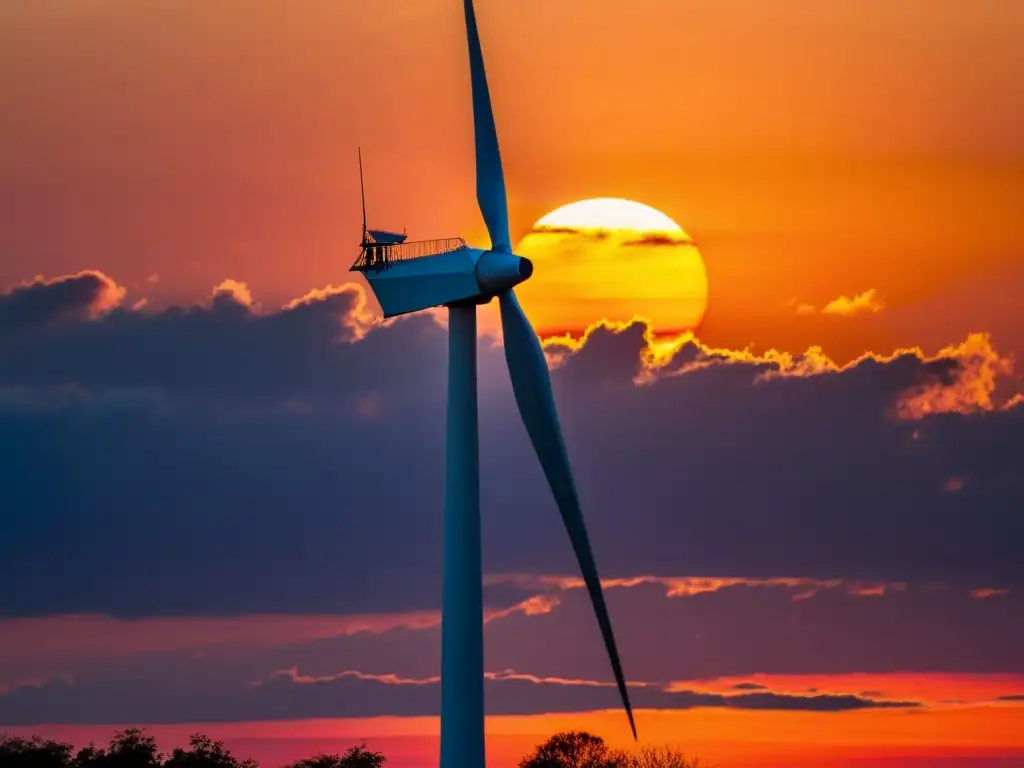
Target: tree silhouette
{"points": [[579, 749], [132, 748], [90, 757], [16, 752], [355, 757], [203, 752], [574, 749], [664, 757]]}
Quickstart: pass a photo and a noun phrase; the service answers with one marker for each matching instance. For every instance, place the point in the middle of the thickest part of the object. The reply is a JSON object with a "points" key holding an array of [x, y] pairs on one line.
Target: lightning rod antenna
{"points": [[362, 192]]}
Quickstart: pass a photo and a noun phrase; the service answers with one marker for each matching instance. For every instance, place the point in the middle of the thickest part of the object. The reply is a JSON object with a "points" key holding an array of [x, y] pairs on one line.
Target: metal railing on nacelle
{"points": [[381, 256]]}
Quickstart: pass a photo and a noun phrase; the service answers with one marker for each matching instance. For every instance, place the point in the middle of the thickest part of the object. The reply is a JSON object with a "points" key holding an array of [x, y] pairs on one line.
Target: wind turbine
{"points": [[411, 276]]}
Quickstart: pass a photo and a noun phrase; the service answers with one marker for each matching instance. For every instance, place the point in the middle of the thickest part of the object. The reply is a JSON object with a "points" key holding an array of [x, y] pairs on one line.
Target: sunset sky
{"points": [[221, 476]]}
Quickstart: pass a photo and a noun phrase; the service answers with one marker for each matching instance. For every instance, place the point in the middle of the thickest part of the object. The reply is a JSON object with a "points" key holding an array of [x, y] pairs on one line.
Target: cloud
{"points": [[974, 385], [803, 588], [666, 239], [235, 291], [682, 639], [987, 592], [219, 459], [293, 675], [837, 630], [968, 377], [954, 484], [225, 349], [63, 300], [574, 232], [867, 303], [689, 643], [626, 237], [359, 319], [46, 646], [290, 693]]}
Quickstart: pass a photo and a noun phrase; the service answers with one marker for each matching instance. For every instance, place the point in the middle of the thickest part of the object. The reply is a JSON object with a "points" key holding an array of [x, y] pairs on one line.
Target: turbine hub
{"points": [[497, 271]]}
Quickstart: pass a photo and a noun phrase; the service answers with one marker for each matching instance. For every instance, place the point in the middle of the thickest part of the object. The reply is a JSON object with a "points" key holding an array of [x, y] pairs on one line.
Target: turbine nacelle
{"points": [[461, 275]]}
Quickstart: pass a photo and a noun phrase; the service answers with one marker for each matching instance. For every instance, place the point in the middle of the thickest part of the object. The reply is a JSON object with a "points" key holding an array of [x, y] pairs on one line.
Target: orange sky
{"points": [[814, 152]]}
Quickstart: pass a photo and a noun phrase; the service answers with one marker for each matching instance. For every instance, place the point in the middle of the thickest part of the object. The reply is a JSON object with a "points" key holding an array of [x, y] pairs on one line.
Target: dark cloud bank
{"points": [[218, 460]]}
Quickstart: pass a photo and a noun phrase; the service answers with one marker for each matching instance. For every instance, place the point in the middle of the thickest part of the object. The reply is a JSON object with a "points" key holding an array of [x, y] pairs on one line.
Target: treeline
{"points": [[133, 748]]}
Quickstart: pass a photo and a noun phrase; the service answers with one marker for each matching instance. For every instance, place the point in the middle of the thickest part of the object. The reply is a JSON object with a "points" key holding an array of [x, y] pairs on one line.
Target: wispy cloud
{"points": [[799, 588], [869, 302], [236, 290], [954, 484], [508, 690]]}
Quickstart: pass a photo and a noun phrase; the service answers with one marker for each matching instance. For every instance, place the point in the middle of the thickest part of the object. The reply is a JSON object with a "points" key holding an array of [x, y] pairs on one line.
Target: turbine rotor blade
{"points": [[490, 178], [531, 384]]}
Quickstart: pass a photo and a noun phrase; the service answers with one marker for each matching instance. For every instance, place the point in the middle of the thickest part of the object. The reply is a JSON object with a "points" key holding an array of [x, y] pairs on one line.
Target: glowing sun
{"points": [[611, 259]]}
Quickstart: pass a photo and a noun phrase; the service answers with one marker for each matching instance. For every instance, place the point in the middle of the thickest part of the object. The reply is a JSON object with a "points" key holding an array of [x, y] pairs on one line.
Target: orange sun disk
{"points": [[612, 259]]}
